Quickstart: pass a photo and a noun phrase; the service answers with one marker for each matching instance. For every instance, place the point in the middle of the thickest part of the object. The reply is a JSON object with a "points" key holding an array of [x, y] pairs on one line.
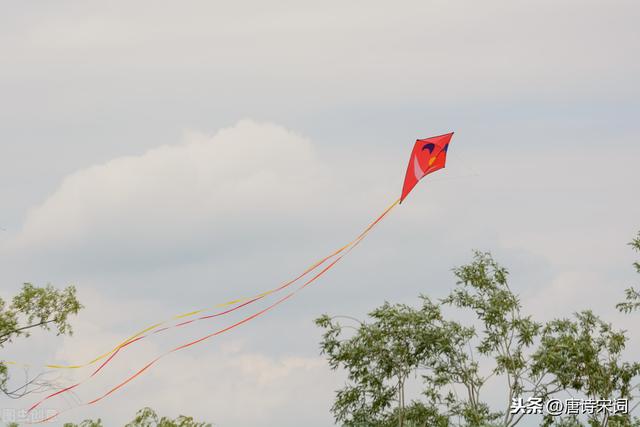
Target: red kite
{"points": [[428, 155]]}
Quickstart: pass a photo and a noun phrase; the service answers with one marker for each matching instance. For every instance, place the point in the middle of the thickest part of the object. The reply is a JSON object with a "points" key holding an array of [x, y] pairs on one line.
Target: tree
{"points": [[34, 308], [147, 417], [47, 308], [437, 350], [379, 359], [632, 296], [453, 361], [585, 355]]}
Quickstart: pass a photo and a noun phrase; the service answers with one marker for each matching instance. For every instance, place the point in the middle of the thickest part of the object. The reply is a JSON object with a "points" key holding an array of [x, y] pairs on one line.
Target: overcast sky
{"points": [[168, 156]]}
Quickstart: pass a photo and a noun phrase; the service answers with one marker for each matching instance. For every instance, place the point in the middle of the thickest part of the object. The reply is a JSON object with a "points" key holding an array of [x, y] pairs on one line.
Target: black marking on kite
{"points": [[429, 147]]}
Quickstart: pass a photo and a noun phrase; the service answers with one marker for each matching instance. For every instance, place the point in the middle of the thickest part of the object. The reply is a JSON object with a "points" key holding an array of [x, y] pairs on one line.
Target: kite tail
{"points": [[157, 326], [342, 252]]}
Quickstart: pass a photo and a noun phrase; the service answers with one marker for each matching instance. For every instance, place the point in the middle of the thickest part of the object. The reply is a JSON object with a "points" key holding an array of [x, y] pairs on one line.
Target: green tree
{"points": [[47, 308], [147, 417], [454, 361], [34, 308], [584, 355], [403, 342], [379, 359], [632, 296]]}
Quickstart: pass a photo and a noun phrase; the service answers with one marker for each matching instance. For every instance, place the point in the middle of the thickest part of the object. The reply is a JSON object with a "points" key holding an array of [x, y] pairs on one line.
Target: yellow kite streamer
{"points": [[342, 251], [157, 325]]}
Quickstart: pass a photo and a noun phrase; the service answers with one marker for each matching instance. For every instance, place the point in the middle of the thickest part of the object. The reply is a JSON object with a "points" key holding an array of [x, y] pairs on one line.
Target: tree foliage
{"points": [[379, 359], [49, 308], [147, 417], [585, 355], [452, 361], [632, 296], [35, 308]]}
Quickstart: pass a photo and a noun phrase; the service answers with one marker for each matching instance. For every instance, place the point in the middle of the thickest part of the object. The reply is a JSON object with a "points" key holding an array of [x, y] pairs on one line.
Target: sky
{"points": [[168, 156]]}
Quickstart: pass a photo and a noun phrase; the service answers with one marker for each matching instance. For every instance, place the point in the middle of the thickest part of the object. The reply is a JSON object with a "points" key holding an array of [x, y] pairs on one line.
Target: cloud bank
{"points": [[180, 197]]}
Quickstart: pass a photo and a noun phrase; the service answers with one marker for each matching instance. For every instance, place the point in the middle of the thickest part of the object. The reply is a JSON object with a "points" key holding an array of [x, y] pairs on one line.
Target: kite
{"points": [[428, 155]]}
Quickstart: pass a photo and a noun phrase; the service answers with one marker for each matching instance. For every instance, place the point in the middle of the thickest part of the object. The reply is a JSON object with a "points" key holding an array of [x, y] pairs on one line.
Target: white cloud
{"points": [[245, 176]]}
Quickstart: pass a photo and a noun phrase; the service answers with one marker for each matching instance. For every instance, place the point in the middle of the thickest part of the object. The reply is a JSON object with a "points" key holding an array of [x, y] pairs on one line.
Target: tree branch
{"points": [[5, 336]]}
